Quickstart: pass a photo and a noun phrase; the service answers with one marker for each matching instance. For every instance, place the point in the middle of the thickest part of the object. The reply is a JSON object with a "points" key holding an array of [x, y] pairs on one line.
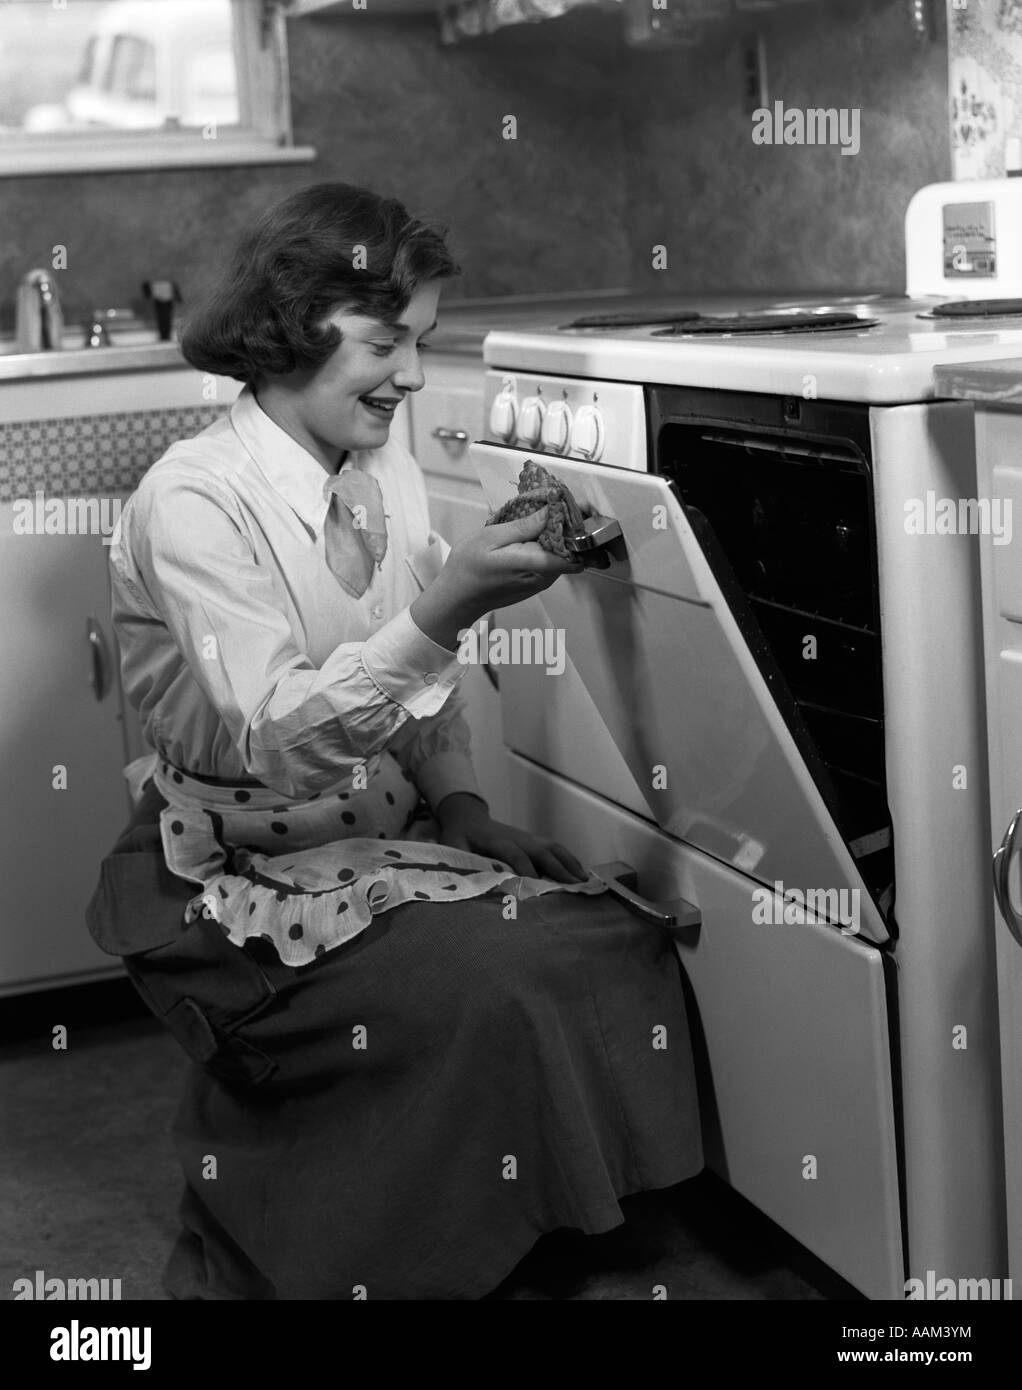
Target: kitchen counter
{"points": [[987, 383], [142, 357], [463, 325]]}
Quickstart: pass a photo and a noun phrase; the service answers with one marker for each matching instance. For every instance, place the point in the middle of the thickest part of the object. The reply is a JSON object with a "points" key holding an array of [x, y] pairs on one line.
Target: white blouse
{"points": [[244, 656]]}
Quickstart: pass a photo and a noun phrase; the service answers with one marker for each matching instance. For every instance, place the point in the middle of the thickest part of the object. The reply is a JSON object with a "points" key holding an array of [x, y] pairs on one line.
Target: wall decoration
{"points": [[985, 87]]}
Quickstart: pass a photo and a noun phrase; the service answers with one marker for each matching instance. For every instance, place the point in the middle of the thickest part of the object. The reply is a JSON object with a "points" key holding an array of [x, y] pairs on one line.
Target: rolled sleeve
{"points": [[410, 668]]}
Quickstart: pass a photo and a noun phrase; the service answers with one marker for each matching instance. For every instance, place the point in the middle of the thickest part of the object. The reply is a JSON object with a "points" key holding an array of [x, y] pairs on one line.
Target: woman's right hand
{"points": [[491, 568], [500, 565]]}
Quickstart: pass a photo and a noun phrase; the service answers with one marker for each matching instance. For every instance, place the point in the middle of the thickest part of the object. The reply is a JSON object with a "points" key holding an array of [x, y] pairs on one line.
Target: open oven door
{"points": [[658, 742], [689, 733]]}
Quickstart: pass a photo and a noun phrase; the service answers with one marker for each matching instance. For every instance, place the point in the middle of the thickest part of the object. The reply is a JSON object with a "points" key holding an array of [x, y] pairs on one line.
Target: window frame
{"points": [[263, 136]]}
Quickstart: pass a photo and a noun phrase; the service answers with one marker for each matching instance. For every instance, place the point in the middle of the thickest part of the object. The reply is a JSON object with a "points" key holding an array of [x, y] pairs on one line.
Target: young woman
{"points": [[420, 1038]]}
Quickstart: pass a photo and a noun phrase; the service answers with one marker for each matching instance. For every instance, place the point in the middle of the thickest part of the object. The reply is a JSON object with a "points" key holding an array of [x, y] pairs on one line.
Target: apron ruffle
{"points": [[307, 875]]}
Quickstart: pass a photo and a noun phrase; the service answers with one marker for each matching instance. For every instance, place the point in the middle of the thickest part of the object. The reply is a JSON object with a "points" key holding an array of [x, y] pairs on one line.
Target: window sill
{"points": [[101, 156]]}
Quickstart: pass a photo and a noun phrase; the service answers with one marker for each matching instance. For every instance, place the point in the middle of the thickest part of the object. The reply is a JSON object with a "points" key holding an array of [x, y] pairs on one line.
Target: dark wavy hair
{"points": [[326, 245]]}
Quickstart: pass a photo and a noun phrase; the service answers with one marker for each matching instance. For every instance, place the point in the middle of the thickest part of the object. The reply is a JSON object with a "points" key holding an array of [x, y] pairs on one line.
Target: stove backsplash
{"points": [[737, 215]]}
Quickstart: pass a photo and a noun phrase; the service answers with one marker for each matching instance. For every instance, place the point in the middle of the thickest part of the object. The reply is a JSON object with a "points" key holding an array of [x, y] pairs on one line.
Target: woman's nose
{"points": [[409, 375]]}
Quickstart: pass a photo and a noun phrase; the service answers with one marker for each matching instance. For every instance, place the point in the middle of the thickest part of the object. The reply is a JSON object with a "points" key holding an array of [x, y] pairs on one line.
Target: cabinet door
{"points": [[447, 416], [998, 440], [60, 709]]}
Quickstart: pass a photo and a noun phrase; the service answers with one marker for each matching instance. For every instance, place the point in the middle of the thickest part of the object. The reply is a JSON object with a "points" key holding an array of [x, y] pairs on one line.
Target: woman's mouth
{"points": [[382, 407]]}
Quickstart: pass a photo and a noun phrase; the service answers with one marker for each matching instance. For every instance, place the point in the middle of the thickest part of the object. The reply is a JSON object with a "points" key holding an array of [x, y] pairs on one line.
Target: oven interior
{"points": [[779, 493]]}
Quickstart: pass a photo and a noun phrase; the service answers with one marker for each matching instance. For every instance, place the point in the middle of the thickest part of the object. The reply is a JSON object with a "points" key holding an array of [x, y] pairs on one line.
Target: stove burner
{"points": [[974, 309], [633, 318], [768, 323]]}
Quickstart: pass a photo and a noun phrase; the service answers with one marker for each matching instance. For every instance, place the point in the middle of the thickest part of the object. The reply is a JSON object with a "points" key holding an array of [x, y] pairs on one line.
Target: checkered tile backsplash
{"points": [[92, 453]]}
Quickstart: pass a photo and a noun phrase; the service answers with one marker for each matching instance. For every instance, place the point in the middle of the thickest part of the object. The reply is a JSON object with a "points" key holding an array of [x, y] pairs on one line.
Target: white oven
{"points": [[771, 713]]}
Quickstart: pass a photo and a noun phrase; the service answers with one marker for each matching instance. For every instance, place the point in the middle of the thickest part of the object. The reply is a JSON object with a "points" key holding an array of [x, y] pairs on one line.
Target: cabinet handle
{"points": [[457, 436], [1001, 866], [100, 678], [677, 914]]}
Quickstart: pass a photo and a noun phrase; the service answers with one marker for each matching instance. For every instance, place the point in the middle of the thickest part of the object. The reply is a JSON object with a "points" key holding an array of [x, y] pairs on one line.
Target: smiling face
{"points": [[349, 401]]}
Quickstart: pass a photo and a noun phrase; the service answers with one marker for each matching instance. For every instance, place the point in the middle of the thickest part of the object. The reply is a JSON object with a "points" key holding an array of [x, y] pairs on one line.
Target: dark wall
{"points": [[737, 215], [617, 150]]}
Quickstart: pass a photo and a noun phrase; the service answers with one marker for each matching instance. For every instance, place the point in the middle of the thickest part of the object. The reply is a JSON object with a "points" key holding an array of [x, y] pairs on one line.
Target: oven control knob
{"points": [[556, 432], [530, 421], [587, 434], [502, 414]]}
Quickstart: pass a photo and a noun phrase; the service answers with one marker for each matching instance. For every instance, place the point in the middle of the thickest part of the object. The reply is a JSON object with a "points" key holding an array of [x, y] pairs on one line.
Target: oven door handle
{"points": [[1001, 866], [596, 532], [677, 914]]}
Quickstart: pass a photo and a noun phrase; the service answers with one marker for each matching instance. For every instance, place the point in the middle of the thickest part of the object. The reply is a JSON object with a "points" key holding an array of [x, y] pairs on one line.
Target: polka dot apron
{"points": [[307, 875]]}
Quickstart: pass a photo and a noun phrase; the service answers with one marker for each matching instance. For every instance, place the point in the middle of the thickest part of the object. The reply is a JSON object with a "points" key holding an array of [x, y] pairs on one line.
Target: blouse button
{"points": [[430, 678], [377, 612]]}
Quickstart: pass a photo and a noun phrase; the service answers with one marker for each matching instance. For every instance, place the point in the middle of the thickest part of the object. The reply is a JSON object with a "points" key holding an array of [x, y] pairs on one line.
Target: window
{"points": [[209, 86], [120, 84]]}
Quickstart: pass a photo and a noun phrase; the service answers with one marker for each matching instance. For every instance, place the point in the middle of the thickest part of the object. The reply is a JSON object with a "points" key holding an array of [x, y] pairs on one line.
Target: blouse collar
{"points": [[287, 466]]}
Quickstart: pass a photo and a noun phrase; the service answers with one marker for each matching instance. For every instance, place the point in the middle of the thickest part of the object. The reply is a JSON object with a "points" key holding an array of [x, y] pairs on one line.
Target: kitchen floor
{"points": [[91, 1183]]}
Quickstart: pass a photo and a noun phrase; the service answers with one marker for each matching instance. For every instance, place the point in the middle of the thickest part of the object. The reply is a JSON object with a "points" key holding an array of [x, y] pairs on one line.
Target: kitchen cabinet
{"points": [[61, 708], [446, 416], [73, 425]]}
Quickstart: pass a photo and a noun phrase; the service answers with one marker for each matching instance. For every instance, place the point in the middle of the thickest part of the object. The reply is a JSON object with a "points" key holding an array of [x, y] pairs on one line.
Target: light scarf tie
{"points": [[355, 531]]}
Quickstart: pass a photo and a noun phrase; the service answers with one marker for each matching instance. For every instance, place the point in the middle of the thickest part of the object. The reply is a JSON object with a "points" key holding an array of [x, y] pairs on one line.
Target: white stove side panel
{"points": [[999, 448], [937, 790]]}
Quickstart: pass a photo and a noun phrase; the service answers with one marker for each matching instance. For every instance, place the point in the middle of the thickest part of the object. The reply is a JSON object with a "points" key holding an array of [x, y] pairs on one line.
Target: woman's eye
{"points": [[385, 349]]}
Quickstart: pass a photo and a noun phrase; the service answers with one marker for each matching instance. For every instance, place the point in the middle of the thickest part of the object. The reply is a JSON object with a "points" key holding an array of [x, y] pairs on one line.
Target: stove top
{"points": [[879, 349], [730, 324], [635, 318], [682, 322], [975, 309]]}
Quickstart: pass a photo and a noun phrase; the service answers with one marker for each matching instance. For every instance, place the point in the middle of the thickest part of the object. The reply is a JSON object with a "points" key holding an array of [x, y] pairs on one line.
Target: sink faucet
{"points": [[39, 320], [98, 335]]}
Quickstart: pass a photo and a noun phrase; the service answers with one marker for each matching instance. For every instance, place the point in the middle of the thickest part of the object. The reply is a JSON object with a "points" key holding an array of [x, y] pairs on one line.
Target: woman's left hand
{"points": [[466, 824]]}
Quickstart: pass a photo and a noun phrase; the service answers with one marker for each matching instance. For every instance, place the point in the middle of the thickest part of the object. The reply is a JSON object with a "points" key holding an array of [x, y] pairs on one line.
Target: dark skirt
{"points": [[404, 1117]]}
